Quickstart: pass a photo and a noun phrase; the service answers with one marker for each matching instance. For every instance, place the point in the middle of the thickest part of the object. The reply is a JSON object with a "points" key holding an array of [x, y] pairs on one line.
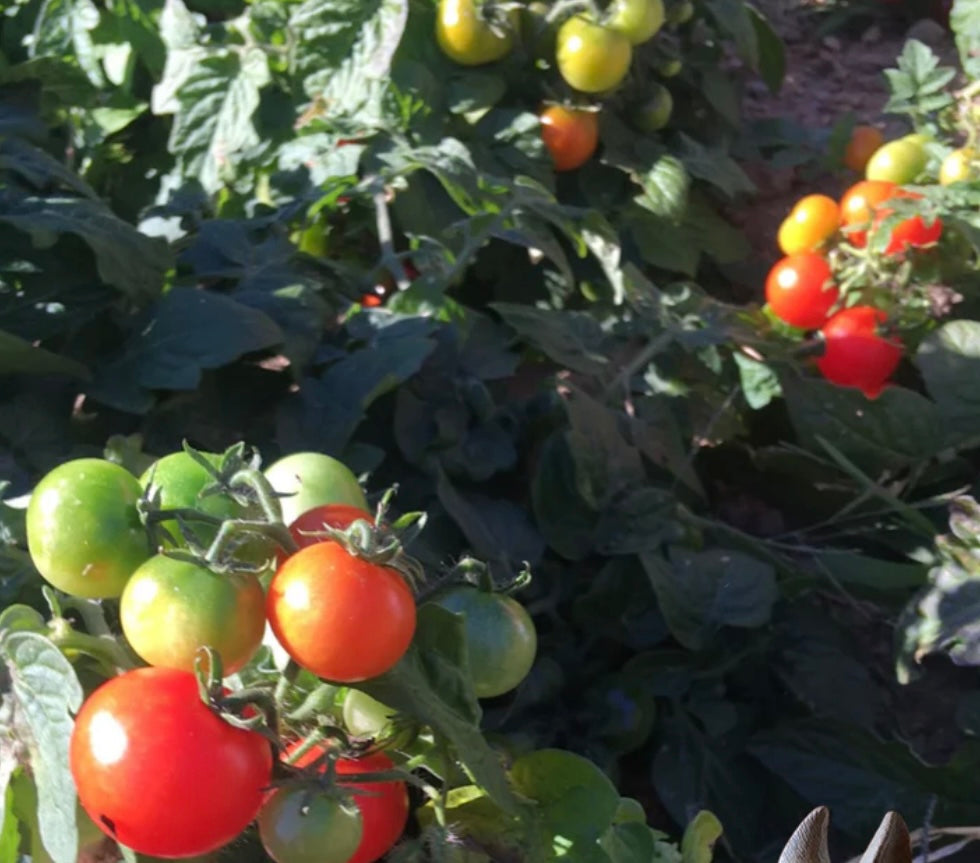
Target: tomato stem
{"points": [[105, 650], [317, 701]]}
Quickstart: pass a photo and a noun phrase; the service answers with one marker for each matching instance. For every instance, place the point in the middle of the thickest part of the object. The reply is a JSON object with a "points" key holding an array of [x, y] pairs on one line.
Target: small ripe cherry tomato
{"points": [[958, 166], [310, 479], [638, 20], [383, 805], [800, 290], [466, 36], [864, 142], [570, 135], [299, 825], [591, 57], [855, 355], [171, 607], [501, 641], [812, 221], [340, 617], [336, 515], [898, 161], [858, 205], [159, 771], [913, 232], [83, 529]]}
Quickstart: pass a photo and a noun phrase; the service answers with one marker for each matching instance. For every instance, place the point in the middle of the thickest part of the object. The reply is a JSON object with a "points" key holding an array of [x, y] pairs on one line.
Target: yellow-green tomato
{"points": [[638, 20], [170, 608], [958, 166], [83, 529], [898, 161], [464, 34], [310, 479], [364, 716], [653, 114], [591, 57]]}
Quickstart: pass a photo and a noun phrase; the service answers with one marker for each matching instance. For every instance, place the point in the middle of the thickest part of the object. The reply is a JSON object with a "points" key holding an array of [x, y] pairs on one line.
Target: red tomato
{"points": [[909, 233], [384, 809], [800, 290], [338, 616], [336, 515], [370, 301], [854, 354], [159, 771], [864, 142], [859, 203], [570, 136]]}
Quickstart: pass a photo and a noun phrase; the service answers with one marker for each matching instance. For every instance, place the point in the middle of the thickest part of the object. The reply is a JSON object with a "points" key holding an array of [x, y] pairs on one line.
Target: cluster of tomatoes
{"points": [[821, 233], [593, 54], [204, 569]]}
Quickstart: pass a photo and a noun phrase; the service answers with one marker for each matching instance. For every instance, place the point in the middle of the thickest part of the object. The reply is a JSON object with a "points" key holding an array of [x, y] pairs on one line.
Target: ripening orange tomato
{"points": [[864, 141], [812, 221], [571, 135]]}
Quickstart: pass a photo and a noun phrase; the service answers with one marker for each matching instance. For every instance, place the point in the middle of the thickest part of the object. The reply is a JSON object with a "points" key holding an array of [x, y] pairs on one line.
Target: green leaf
{"points": [[771, 51], [700, 837], [949, 359], [180, 31], [715, 166], [700, 592], [186, 332], [46, 693], [630, 842], [665, 187], [565, 520], [760, 384], [9, 834], [64, 27], [431, 682], [21, 357], [965, 22], [572, 339], [40, 169]]}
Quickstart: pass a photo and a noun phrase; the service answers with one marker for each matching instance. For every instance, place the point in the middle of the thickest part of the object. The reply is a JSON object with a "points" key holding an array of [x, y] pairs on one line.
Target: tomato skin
{"points": [[854, 354], [859, 204], [898, 161], [501, 641], [297, 826], [83, 530], [364, 716], [958, 166], [638, 20], [913, 232], [592, 58], [570, 136], [812, 221], [800, 290], [337, 515], [155, 767], [465, 37], [384, 808], [654, 114], [863, 143], [171, 607], [338, 616], [310, 479]]}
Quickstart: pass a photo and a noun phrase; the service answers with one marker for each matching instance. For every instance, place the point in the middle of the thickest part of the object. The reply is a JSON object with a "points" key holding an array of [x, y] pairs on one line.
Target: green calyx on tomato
{"points": [[591, 57], [171, 607], [301, 825], [898, 161], [653, 114], [638, 20], [501, 641], [306, 480], [84, 531], [467, 35]]}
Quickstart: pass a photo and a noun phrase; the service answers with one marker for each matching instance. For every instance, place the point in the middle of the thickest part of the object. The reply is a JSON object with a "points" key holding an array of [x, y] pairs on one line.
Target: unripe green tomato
{"points": [[653, 114], [592, 58], [311, 479], [680, 13], [638, 20], [898, 161], [670, 68], [300, 826], [958, 166], [466, 37]]}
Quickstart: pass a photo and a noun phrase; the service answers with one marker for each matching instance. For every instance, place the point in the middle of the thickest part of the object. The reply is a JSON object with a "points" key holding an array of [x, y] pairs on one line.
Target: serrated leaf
{"points": [[964, 19], [571, 339], [665, 188], [760, 384], [18, 356], [949, 359], [715, 166], [47, 692]]}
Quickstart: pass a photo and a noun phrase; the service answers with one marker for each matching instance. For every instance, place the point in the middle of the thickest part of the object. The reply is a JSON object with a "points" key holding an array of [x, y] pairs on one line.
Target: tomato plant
{"points": [[855, 354], [501, 640], [383, 805], [800, 290], [638, 20], [170, 608], [83, 529], [305, 480], [153, 765], [861, 146], [813, 220], [300, 825], [323, 601], [466, 36], [592, 57], [571, 136]]}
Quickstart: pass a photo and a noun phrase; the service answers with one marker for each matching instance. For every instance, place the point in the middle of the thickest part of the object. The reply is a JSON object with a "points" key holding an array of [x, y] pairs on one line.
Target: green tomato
{"points": [[898, 161], [680, 13], [670, 68], [311, 479], [591, 57], [83, 530], [364, 716], [171, 607], [958, 166], [501, 641], [297, 825], [465, 36], [638, 20], [653, 114]]}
